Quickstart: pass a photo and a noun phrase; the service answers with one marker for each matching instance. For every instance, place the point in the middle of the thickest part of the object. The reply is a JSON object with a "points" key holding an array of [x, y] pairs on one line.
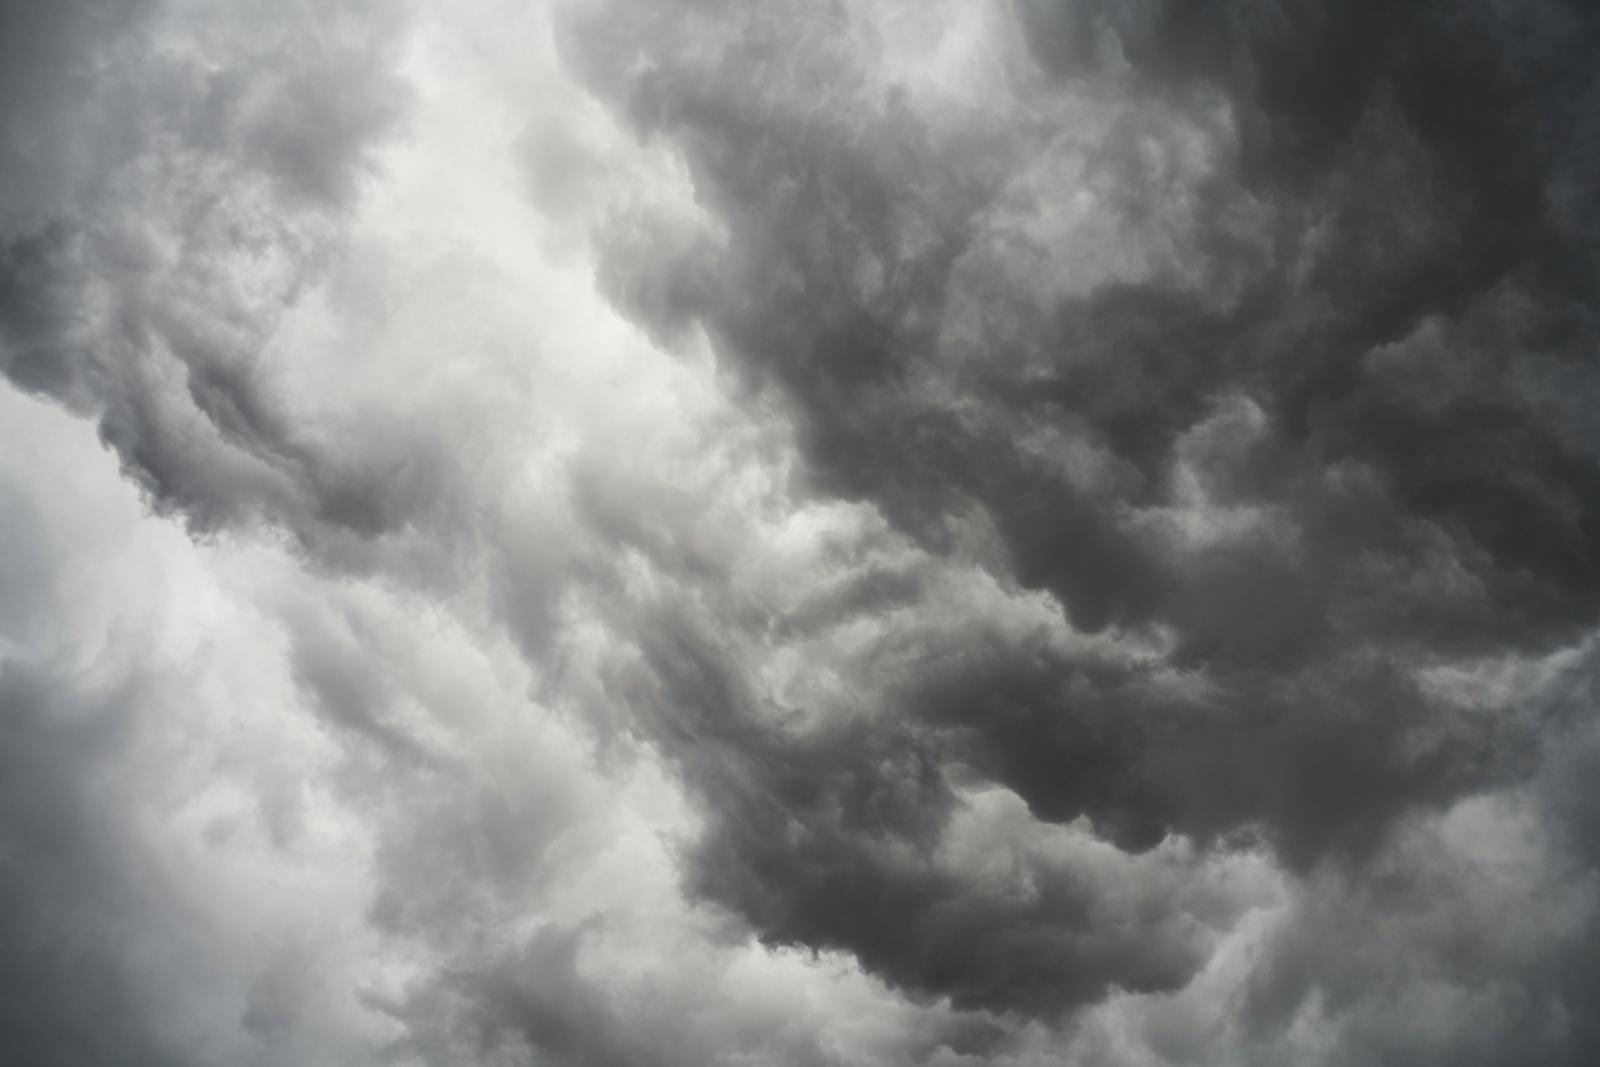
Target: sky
{"points": [[724, 533]]}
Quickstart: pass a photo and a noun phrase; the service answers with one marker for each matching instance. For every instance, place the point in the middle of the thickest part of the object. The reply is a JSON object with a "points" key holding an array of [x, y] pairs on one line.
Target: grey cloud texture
{"points": [[1237, 332], [189, 168], [688, 532]]}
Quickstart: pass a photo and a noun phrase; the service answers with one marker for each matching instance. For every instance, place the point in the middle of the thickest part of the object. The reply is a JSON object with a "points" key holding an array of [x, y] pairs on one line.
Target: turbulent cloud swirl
{"points": [[694, 532]]}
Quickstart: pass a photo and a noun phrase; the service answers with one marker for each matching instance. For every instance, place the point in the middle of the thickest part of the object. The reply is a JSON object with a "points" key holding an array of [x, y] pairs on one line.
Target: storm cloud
{"points": [[692, 532]]}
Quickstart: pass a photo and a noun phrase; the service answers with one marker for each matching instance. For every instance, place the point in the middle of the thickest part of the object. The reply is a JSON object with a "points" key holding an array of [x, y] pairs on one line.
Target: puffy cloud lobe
{"points": [[181, 176], [170, 897]]}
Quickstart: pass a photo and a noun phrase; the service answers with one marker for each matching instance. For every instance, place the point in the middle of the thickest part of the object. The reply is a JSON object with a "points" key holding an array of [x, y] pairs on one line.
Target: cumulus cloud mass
{"points": [[607, 533]]}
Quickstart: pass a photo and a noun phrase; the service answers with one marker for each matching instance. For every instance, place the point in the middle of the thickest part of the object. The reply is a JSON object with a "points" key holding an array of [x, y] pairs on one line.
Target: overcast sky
{"points": [[962, 533]]}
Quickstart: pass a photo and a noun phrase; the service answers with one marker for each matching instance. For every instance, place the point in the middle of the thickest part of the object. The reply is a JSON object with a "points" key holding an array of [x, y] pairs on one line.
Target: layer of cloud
{"points": [[697, 532], [1231, 333]]}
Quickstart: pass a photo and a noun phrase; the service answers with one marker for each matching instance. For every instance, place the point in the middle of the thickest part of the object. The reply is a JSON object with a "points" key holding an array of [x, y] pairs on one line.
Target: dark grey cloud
{"points": [[1450, 965], [1137, 605], [70, 997], [828, 843], [1260, 332]]}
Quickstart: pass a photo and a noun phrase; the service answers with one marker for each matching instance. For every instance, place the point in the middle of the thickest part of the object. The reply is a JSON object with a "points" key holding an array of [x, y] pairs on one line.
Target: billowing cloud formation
{"points": [[699, 532], [1238, 334]]}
